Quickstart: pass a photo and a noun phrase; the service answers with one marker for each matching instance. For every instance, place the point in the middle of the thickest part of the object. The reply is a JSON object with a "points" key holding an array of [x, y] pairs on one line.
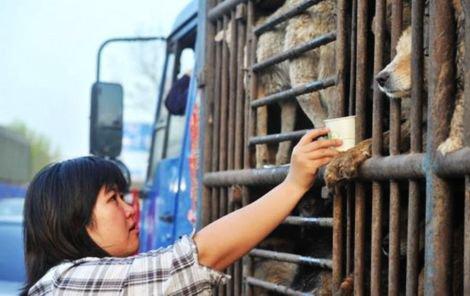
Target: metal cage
{"points": [[375, 197]]}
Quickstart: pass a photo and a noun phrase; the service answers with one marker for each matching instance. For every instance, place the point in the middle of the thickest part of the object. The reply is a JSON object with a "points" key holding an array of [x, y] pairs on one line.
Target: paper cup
{"points": [[343, 128]]}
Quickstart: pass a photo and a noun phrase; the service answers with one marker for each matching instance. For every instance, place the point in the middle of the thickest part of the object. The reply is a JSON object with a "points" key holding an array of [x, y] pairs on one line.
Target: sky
{"points": [[48, 62]]}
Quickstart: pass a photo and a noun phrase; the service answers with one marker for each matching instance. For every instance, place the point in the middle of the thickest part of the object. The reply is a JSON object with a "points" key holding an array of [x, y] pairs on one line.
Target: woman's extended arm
{"points": [[225, 240]]}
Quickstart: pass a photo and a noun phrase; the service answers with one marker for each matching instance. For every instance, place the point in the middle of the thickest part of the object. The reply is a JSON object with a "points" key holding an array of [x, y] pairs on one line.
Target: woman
{"points": [[80, 233]]}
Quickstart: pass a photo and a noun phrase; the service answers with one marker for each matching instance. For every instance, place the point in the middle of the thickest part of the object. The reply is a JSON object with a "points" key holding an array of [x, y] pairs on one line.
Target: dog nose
{"points": [[382, 78]]}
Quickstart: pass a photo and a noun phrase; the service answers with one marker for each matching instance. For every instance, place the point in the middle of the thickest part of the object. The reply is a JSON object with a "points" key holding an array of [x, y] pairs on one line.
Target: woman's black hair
{"points": [[58, 208]]}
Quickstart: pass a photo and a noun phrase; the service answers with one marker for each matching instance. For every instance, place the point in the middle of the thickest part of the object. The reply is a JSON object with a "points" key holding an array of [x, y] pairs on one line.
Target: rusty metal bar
{"points": [[273, 287], [223, 135], [276, 138], [454, 164], [232, 26], [361, 94], [395, 111], [247, 269], [247, 177], [394, 242], [304, 221], [296, 51], [291, 93], [208, 116], [466, 234], [223, 8], [224, 102], [293, 258], [352, 66], [253, 83], [341, 56], [232, 93], [416, 115], [216, 124], [377, 130], [338, 200], [217, 96], [247, 260], [284, 16], [466, 268], [239, 139], [240, 88], [337, 252], [438, 200], [378, 168], [351, 111], [349, 228]]}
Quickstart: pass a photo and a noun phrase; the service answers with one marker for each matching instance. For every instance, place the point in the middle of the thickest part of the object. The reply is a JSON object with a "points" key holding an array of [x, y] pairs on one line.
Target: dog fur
{"points": [[315, 64], [395, 81]]}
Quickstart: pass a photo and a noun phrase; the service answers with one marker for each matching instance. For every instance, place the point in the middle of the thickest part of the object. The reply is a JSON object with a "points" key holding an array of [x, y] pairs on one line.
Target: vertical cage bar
{"points": [[208, 115], [232, 26], [238, 163], [247, 260], [352, 67], [232, 91], [351, 111], [240, 94], [466, 283], [466, 279], [438, 203], [377, 202], [349, 229], [253, 81], [417, 91], [395, 115], [361, 93], [249, 131], [341, 76], [216, 123], [224, 101], [223, 137], [337, 272]]}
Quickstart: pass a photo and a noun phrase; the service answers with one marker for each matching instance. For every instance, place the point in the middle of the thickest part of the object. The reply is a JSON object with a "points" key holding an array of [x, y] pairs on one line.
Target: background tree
{"points": [[42, 152]]}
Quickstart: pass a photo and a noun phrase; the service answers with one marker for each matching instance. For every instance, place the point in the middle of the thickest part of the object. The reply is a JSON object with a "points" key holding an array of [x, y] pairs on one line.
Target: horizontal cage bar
{"points": [[407, 166], [276, 138], [223, 8], [453, 164], [273, 287], [291, 93], [293, 258], [284, 17], [294, 52], [306, 221]]}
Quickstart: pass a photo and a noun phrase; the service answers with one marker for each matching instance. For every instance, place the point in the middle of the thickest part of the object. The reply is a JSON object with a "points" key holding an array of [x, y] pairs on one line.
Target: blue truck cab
{"points": [[173, 183]]}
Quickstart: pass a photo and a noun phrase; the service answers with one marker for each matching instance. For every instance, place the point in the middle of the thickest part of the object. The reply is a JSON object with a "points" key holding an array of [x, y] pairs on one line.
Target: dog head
{"points": [[395, 79]]}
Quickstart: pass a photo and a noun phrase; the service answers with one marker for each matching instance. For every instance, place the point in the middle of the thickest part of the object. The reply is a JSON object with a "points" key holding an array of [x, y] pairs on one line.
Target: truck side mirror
{"points": [[106, 120]]}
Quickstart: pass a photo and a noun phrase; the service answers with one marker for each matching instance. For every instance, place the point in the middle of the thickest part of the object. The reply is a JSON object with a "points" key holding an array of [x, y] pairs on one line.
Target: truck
{"points": [[400, 207]]}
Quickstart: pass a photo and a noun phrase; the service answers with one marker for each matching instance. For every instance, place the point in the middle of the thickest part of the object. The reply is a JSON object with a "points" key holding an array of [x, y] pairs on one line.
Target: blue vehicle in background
{"points": [[173, 180], [173, 183], [12, 270]]}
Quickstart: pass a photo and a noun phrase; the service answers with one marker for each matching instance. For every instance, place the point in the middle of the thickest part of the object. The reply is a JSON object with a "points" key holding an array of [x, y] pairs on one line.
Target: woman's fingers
{"points": [[323, 161], [322, 144], [320, 153], [312, 135]]}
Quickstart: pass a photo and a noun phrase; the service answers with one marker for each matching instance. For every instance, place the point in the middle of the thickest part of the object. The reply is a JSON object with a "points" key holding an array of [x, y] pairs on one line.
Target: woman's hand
{"points": [[308, 156]]}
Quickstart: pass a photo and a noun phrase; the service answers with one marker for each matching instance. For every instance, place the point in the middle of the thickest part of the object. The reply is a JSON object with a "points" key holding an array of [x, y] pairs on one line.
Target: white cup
{"points": [[343, 128]]}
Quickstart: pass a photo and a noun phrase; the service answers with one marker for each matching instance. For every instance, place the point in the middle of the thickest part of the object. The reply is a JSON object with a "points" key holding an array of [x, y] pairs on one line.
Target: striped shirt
{"points": [[174, 270]]}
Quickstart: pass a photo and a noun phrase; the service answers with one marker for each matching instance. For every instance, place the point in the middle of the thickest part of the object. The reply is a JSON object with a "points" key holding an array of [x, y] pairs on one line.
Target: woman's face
{"points": [[114, 227]]}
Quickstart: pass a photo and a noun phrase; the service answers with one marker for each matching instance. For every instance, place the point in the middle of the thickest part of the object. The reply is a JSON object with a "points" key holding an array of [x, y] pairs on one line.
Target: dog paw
{"points": [[450, 145], [345, 166]]}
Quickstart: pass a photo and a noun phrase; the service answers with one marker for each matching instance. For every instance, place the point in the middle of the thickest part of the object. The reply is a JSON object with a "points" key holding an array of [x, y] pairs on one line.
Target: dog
{"points": [[395, 81], [316, 64]]}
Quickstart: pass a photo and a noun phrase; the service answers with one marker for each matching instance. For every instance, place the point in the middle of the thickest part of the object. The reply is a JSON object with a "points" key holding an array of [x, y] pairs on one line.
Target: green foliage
{"points": [[42, 152]]}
